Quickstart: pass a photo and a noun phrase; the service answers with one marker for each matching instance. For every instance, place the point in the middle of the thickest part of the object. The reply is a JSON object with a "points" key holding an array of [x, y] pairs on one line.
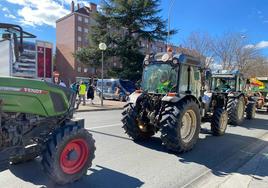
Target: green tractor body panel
{"points": [[34, 97]]}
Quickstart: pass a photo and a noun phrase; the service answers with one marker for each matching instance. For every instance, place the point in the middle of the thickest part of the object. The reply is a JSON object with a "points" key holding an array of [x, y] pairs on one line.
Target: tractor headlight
{"points": [[146, 62], [165, 57]]}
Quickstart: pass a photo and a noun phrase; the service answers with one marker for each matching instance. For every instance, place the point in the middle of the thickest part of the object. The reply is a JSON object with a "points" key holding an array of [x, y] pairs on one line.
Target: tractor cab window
{"points": [[160, 78], [194, 82], [223, 84]]}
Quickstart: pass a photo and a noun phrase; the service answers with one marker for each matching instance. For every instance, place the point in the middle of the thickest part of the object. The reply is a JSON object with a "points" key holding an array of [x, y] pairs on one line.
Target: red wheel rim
{"points": [[74, 156]]}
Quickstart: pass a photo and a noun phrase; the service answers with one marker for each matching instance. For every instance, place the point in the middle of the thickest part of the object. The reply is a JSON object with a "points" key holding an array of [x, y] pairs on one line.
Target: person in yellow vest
{"points": [[82, 93]]}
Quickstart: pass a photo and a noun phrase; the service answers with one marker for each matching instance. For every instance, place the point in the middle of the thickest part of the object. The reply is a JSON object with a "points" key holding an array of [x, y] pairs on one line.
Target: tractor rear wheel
{"points": [[251, 110], [180, 126], [236, 109], [219, 122], [133, 127], [68, 155]]}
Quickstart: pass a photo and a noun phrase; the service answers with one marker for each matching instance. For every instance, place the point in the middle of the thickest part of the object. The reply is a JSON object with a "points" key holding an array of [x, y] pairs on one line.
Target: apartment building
{"points": [[71, 35]]}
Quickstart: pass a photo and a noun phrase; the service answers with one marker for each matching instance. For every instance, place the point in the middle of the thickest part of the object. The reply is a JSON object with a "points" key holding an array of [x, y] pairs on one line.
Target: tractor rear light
{"points": [[172, 94]]}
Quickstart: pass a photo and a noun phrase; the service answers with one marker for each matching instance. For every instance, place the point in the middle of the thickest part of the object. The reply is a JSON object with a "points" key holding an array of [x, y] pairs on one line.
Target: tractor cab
{"points": [[227, 81], [165, 73]]}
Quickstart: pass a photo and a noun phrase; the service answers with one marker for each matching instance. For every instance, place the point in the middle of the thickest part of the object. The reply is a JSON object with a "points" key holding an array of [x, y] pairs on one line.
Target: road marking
{"points": [[105, 126]]}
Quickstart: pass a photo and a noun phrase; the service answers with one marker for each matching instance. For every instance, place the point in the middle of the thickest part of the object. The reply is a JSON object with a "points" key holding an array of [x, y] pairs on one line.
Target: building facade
{"points": [[72, 34]]}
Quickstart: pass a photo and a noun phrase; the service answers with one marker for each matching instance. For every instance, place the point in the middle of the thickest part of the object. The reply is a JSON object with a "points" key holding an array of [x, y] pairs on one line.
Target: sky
{"points": [[215, 17]]}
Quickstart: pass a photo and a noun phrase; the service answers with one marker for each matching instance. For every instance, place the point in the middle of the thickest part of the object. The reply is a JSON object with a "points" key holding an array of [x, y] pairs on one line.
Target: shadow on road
{"points": [[257, 123], [98, 177], [222, 155]]}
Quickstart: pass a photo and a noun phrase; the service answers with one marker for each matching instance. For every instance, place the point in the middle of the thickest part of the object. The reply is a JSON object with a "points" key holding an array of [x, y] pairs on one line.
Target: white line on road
{"points": [[105, 126]]}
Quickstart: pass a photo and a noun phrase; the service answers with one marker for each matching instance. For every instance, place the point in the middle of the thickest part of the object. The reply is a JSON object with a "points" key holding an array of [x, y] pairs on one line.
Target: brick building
{"points": [[72, 34]]}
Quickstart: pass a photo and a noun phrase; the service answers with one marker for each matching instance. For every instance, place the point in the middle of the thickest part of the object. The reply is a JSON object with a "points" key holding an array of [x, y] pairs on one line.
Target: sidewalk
{"points": [[254, 174], [107, 105]]}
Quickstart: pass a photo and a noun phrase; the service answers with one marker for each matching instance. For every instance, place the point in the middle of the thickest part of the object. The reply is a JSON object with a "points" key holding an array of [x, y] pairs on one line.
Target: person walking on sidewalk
{"points": [[90, 93], [82, 93]]}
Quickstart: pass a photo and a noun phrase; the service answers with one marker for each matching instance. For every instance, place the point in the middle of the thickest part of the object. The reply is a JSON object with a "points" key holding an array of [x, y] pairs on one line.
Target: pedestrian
{"points": [[90, 93], [62, 83], [82, 93]]}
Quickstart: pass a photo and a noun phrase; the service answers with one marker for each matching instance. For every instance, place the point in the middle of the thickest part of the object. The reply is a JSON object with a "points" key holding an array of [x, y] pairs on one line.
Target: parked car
{"points": [[115, 89]]}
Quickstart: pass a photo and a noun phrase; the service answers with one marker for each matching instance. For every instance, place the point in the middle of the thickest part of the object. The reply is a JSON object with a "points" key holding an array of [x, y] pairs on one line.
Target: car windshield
{"points": [[128, 85], [223, 84], [159, 78]]}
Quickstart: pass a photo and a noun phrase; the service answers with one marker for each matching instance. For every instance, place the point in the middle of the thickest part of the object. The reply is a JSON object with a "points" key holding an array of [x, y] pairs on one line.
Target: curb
{"points": [[102, 109]]}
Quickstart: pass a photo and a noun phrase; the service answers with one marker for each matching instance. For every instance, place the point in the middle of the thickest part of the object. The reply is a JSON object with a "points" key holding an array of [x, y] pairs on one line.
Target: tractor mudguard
{"points": [[133, 97], [172, 99]]}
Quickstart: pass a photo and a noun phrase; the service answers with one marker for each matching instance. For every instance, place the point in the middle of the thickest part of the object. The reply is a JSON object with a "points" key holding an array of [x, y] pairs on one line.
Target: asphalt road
{"points": [[121, 163]]}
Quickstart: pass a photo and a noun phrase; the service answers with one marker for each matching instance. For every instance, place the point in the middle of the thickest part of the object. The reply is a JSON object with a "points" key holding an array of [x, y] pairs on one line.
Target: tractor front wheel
{"points": [[133, 127], [68, 155], [219, 122], [180, 126], [236, 109], [251, 110]]}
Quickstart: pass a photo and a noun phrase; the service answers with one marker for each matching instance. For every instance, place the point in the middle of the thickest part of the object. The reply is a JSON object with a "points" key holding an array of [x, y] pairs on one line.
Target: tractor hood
{"points": [[34, 97]]}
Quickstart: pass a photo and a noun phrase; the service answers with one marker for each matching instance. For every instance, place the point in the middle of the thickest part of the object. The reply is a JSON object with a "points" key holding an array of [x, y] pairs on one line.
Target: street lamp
{"points": [[102, 47]]}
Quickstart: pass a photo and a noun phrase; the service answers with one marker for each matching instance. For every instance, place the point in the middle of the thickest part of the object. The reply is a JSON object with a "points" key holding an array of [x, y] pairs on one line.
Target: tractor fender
{"points": [[235, 95], [172, 99], [134, 97], [175, 99]]}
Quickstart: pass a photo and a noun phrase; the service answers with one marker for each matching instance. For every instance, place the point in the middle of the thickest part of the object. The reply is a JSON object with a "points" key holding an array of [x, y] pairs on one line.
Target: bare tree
{"points": [[257, 67], [201, 43], [225, 48], [232, 52]]}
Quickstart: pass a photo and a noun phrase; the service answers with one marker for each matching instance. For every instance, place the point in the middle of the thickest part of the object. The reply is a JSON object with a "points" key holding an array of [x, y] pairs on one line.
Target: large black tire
{"points": [[236, 109], [28, 156], [219, 122], [174, 118], [131, 125], [68, 155], [251, 110]]}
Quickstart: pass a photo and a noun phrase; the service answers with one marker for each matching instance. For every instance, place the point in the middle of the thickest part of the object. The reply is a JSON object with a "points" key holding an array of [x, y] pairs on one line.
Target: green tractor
{"points": [[170, 101], [232, 84], [36, 119]]}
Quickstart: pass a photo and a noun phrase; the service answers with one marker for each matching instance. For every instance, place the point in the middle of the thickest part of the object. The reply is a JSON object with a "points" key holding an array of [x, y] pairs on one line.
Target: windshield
{"points": [[223, 84], [159, 78], [128, 85]]}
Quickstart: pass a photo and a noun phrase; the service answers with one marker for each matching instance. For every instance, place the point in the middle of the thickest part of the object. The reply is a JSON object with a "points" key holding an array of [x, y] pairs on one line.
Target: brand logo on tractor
{"points": [[24, 90], [35, 91]]}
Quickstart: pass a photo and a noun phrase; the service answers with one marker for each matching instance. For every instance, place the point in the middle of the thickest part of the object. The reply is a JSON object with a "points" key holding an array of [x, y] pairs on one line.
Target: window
{"points": [[79, 48], [79, 29], [80, 18], [86, 20], [85, 70], [86, 30], [79, 38], [115, 64], [79, 69]]}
